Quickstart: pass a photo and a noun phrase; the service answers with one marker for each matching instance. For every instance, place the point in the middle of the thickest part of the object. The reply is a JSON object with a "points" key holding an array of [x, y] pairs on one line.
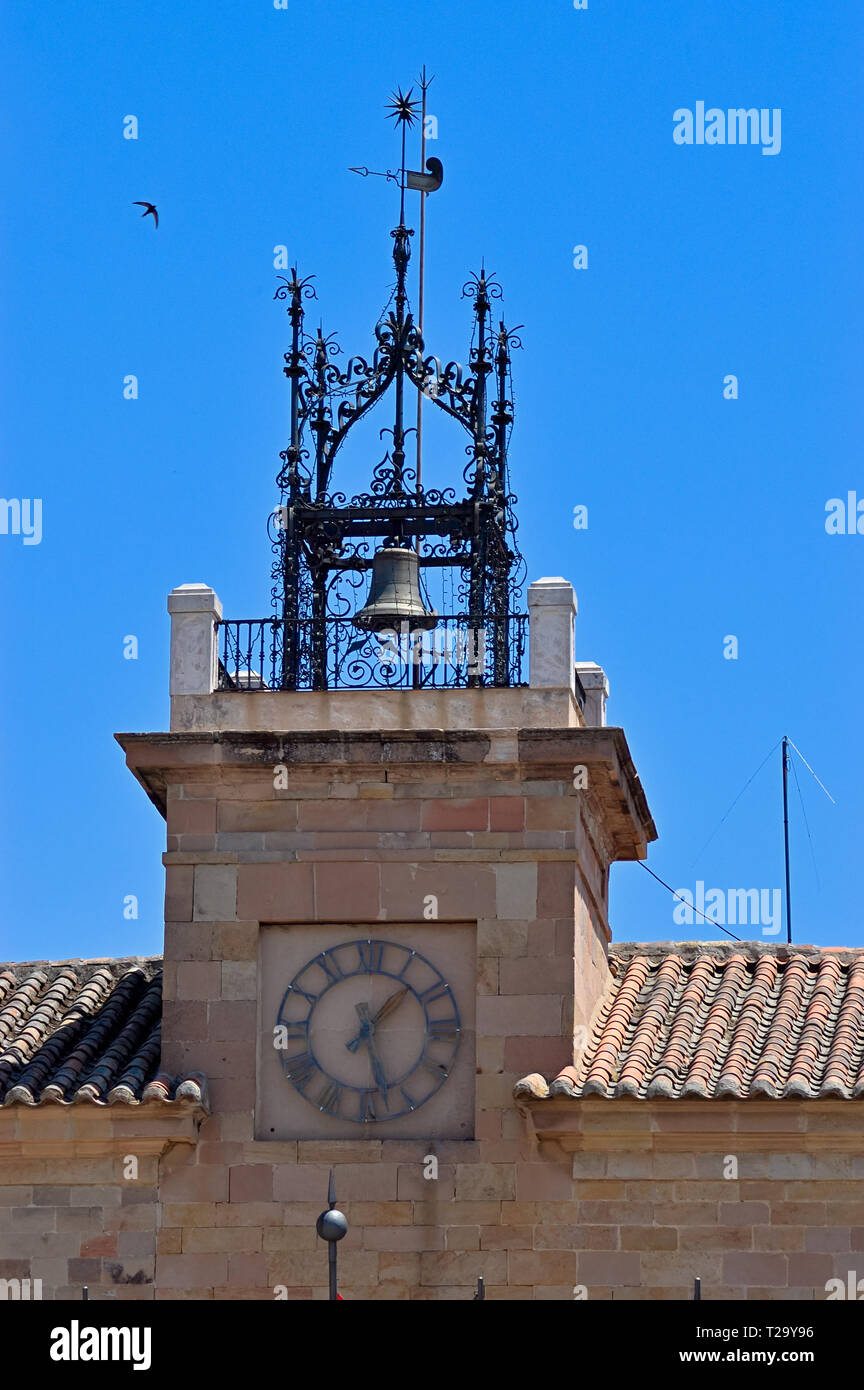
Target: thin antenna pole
{"points": [[424, 84], [785, 755]]}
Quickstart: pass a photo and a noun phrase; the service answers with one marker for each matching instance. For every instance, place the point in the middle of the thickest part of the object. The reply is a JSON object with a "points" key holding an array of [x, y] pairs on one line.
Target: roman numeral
{"points": [[444, 1028], [436, 1069], [331, 1098], [300, 1068], [436, 991], [295, 989], [294, 1032], [367, 1106], [330, 966], [371, 954]]}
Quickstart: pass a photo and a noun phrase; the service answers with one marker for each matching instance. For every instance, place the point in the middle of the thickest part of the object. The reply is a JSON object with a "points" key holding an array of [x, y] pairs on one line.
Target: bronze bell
{"points": [[394, 594]]}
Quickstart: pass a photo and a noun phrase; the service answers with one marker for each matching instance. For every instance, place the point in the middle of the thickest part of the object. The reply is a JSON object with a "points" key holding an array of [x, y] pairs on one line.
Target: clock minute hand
{"points": [[367, 1030], [377, 1069]]}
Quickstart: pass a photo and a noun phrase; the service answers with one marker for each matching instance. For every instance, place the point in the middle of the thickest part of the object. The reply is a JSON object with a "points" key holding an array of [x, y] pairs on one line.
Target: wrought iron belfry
{"points": [[324, 541]]}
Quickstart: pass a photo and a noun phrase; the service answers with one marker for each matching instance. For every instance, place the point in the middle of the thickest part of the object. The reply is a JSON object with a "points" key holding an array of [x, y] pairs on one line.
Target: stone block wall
{"points": [[79, 1200], [759, 1200], [621, 1204], [76, 1234]]}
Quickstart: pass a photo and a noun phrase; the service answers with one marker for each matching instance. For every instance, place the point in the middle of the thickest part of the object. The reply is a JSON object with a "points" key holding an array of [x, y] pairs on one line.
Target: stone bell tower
{"points": [[391, 806], [475, 827]]}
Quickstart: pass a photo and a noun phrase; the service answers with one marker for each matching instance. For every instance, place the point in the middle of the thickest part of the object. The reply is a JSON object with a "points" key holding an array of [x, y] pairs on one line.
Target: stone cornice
{"points": [[615, 792], [91, 1131], [678, 1126]]}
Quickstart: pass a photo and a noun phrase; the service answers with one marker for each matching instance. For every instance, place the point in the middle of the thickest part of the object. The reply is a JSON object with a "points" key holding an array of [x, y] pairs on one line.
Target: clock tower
{"points": [[392, 804]]}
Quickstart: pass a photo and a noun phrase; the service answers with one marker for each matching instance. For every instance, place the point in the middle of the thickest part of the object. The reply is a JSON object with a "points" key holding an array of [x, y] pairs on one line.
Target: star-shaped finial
{"points": [[402, 107]]}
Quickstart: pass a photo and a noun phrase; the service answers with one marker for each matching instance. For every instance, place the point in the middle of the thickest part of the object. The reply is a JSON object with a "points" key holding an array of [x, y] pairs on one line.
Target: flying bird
{"points": [[148, 209]]}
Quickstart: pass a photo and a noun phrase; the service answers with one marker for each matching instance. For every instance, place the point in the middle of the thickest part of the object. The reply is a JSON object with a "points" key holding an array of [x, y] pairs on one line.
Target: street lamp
{"points": [[332, 1226]]}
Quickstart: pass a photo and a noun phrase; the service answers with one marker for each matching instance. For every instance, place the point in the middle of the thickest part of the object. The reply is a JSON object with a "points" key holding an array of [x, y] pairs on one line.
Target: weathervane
{"points": [[408, 536], [403, 109]]}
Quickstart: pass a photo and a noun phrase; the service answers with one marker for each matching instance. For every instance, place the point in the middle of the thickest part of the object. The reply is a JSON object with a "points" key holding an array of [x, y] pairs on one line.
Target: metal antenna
{"points": [[424, 83], [787, 744], [402, 108], [785, 757]]}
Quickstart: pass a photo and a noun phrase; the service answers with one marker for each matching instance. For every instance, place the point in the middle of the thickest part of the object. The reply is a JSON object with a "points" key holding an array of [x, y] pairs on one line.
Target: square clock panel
{"points": [[366, 1031]]}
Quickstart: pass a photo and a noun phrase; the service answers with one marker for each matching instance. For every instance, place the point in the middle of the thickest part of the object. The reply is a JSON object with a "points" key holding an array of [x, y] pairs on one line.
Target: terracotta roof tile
{"points": [[78, 1031], [721, 1022]]}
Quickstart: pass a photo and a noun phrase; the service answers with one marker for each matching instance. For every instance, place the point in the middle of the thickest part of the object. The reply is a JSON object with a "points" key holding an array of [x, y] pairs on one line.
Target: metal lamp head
{"points": [[394, 594]]}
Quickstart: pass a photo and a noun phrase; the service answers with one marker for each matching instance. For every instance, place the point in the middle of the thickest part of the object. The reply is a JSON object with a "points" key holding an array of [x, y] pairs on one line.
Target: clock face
{"points": [[367, 1031]]}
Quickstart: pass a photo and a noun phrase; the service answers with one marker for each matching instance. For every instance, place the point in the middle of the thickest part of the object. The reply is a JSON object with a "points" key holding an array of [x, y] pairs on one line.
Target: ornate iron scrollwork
{"points": [[323, 540]]}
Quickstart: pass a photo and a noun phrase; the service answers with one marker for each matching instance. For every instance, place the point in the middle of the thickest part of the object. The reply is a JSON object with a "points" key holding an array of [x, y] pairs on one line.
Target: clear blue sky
{"points": [[706, 516]]}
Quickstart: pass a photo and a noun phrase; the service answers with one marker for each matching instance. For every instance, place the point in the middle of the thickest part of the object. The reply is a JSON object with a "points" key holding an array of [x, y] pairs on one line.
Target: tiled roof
{"points": [[722, 1022], [85, 1031]]}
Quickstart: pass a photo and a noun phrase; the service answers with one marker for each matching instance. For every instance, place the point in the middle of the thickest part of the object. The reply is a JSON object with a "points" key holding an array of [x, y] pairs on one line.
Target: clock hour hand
{"points": [[386, 1008]]}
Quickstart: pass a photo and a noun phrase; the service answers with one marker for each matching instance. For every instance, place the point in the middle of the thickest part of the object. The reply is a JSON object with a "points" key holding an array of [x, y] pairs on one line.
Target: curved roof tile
{"points": [[86, 1032], [715, 1022]]}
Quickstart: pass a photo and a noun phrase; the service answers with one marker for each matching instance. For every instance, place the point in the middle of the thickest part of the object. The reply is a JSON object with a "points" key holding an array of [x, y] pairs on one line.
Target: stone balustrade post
{"points": [[595, 683], [195, 610], [552, 608]]}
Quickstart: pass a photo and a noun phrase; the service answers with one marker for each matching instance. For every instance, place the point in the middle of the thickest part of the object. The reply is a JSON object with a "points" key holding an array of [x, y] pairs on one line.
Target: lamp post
{"points": [[332, 1226]]}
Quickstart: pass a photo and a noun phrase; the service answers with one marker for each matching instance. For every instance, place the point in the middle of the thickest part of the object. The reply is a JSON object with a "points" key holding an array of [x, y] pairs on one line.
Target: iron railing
{"points": [[332, 654], [580, 691]]}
